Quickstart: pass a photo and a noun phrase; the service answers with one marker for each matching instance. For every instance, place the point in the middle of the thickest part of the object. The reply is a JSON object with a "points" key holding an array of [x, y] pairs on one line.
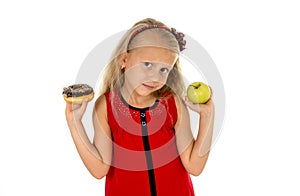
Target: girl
{"points": [[143, 142]]}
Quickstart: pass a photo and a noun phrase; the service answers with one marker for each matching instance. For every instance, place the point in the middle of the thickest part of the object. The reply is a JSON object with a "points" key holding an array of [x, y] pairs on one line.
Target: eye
{"points": [[164, 70], [148, 64]]}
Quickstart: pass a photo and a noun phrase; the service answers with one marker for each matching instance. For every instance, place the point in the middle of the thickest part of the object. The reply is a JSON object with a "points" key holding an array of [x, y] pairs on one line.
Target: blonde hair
{"points": [[112, 77]]}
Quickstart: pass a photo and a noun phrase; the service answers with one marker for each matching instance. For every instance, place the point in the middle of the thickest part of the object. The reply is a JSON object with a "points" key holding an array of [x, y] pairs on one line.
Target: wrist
{"points": [[73, 122], [206, 114]]}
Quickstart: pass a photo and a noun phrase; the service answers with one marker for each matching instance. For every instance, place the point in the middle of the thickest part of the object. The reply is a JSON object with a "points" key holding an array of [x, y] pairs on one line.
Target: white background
{"points": [[255, 45]]}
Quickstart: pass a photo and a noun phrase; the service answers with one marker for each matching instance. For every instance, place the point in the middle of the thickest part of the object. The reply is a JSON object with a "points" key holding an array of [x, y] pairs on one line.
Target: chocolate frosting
{"points": [[77, 90]]}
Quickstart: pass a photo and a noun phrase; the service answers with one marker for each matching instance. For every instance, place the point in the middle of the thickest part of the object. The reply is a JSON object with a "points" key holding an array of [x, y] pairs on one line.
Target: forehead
{"points": [[153, 54]]}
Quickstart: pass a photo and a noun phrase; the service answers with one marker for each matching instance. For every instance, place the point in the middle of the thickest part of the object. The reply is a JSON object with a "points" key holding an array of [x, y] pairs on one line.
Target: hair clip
{"points": [[178, 35]]}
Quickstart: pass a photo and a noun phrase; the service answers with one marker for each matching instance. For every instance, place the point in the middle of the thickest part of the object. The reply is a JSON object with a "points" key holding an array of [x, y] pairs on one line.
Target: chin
{"points": [[144, 92]]}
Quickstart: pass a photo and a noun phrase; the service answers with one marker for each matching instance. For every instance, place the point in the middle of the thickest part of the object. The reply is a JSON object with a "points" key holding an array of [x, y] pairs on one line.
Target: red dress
{"points": [[145, 157]]}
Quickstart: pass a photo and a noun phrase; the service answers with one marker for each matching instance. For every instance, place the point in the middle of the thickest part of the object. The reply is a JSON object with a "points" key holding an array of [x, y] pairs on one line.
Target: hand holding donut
{"points": [[77, 96]]}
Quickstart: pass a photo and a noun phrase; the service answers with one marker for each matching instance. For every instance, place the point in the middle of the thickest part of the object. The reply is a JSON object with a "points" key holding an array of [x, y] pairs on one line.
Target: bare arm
{"points": [[95, 156], [194, 153]]}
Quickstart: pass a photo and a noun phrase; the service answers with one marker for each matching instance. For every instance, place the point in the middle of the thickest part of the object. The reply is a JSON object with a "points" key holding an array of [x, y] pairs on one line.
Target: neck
{"points": [[136, 100]]}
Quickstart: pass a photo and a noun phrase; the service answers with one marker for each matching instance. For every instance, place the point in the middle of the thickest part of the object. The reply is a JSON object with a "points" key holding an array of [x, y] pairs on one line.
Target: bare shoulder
{"points": [[180, 106], [182, 111]]}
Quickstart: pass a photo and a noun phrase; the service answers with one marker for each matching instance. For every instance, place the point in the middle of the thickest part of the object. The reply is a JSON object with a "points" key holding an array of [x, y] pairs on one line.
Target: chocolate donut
{"points": [[76, 93]]}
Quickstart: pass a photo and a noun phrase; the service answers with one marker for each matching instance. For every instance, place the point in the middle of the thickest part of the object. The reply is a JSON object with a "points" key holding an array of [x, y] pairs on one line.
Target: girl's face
{"points": [[147, 69]]}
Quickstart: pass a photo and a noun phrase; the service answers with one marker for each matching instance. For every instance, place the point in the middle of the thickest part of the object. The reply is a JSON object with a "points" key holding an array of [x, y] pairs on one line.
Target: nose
{"points": [[155, 75]]}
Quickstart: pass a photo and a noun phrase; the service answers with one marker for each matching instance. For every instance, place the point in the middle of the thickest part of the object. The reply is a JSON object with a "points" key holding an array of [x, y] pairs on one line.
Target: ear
{"points": [[123, 59]]}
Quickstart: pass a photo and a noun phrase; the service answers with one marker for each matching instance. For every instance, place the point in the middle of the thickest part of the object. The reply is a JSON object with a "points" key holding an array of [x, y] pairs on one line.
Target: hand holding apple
{"points": [[198, 92]]}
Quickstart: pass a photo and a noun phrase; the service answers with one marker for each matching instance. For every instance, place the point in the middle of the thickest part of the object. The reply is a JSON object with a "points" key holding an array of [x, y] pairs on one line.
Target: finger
{"points": [[69, 110], [191, 105], [209, 103], [187, 101], [84, 105], [75, 106], [211, 91], [69, 107]]}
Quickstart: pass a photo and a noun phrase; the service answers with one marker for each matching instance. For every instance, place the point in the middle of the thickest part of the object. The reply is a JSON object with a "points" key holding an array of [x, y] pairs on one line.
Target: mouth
{"points": [[148, 86]]}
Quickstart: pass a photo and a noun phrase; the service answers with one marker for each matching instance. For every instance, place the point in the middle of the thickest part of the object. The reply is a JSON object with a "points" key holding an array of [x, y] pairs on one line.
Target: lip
{"points": [[148, 86]]}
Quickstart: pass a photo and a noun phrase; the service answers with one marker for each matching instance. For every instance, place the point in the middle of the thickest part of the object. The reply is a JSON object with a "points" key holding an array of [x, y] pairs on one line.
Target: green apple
{"points": [[198, 92]]}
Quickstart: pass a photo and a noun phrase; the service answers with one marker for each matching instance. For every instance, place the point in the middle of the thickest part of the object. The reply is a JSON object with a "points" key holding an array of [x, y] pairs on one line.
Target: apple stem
{"points": [[196, 87]]}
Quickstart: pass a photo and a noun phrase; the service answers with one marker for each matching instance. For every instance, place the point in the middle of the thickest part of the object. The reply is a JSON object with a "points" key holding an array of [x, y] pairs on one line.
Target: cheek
{"points": [[134, 75], [164, 79]]}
